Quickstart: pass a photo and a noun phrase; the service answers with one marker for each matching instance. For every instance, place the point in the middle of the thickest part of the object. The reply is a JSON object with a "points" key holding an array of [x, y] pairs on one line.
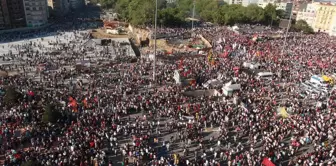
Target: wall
{"points": [[325, 15], [287, 7], [249, 2], [5, 15], [308, 14], [332, 31], [36, 13], [59, 7], [16, 13]]}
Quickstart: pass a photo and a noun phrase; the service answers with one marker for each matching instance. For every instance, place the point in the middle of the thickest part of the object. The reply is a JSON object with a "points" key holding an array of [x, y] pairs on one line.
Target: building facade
{"points": [[59, 7], [230, 2], [325, 18], [249, 2], [16, 13], [4, 15], [332, 31], [36, 12], [308, 14], [285, 6], [264, 3], [299, 6]]}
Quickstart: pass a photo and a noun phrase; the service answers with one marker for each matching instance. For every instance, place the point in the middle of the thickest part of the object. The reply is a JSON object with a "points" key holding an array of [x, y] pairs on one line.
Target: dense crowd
{"points": [[113, 113], [169, 32]]}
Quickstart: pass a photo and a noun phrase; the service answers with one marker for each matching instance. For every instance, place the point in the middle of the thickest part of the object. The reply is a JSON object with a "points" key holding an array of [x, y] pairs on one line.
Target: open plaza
{"points": [[218, 97]]}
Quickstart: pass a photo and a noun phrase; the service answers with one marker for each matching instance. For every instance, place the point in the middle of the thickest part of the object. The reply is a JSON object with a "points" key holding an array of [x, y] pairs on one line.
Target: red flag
{"points": [[267, 162], [187, 73], [31, 93], [85, 103], [17, 156], [70, 99], [73, 104], [193, 82], [92, 144]]}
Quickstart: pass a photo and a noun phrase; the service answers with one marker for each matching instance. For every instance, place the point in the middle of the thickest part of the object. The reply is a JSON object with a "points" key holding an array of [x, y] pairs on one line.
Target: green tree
{"points": [[270, 14], [280, 13], [236, 14], [169, 17], [302, 25], [51, 114], [121, 7], [107, 3], [185, 8], [206, 8], [162, 4], [254, 13], [141, 12], [219, 16], [12, 96], [31, 163]]}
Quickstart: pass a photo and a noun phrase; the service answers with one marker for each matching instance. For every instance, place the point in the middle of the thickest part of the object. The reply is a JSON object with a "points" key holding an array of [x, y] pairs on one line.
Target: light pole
{"points": [[288, 26], [193, 16], [155, 24]]}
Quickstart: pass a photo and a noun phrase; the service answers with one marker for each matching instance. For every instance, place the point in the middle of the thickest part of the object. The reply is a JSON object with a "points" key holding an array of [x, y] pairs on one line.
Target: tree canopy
{"points": [[107, 3], [31, 163], [51, 114], [302, 26], [141, 13], [12, 96]]}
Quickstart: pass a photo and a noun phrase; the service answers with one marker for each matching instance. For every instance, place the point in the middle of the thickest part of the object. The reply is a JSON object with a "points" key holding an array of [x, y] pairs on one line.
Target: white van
{"points": [[318, 80], [264, 75], [251, 65]]}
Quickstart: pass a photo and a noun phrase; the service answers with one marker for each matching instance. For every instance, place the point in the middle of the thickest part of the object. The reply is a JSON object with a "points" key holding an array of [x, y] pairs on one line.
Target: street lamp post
{"points": [[288, 26], [155, 24], [193, 15]]}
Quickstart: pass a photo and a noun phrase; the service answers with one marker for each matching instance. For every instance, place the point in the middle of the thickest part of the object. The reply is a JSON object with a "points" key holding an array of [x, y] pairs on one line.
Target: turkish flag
{"points": [[92, 144], [31, 93], [267, 162]]}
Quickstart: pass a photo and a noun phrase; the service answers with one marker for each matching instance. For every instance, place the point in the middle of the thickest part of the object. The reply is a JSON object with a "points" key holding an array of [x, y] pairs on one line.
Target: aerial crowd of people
{"points": [[112, 112]]}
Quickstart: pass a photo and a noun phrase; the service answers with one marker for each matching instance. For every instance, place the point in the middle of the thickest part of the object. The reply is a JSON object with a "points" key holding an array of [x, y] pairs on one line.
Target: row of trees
{"points": [[302, 26], [141, 12], [173, 14]]}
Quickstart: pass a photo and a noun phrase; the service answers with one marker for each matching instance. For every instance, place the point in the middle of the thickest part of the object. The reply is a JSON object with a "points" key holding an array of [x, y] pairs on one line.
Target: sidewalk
{"points": [[24, 29]]}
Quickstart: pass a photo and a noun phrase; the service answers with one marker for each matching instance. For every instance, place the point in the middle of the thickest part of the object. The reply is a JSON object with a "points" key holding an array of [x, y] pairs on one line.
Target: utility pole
{"points": [[193, 15], [288, 26], [155, 24]]}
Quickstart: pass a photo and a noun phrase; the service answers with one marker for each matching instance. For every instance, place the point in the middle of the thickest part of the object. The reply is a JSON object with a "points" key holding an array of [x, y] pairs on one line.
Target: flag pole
{"points": [[288, 26], [193, 15], [155, 24]]}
